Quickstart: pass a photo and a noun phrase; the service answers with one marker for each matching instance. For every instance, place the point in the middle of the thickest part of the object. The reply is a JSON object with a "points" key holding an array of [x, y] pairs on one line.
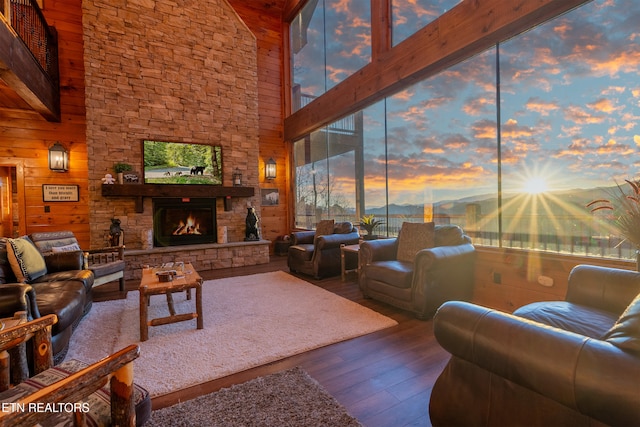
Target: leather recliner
{"points": [[441, 273], [572, 362], [320, 256]]}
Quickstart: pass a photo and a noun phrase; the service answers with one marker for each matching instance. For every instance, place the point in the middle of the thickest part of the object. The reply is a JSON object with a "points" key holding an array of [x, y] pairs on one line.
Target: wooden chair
{"points": [[21, 402], [107, 265]]}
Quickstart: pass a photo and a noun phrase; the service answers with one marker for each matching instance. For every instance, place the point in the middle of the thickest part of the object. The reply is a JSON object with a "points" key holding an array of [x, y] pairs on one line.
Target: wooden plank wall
{"points": [[25, 136], [268, 29], [506, 279]]}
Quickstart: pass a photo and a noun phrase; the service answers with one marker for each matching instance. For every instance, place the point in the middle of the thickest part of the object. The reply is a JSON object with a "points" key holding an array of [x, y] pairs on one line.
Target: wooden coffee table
{"points": [[184, 281]]}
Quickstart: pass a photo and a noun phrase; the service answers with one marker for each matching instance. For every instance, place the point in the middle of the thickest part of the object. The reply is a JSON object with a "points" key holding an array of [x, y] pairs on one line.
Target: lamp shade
{"points": [[58, 158], [270, 169]]}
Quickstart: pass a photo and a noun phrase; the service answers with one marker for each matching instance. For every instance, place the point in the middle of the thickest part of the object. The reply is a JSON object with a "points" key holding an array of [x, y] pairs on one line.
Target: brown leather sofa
{"points": [[65, 290], [573, 362], [320, 256], [437, 274]]}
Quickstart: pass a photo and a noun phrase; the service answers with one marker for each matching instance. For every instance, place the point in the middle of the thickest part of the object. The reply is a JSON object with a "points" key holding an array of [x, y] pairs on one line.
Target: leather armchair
{"points": [[320, 257], [578, 363], [438, 274]]}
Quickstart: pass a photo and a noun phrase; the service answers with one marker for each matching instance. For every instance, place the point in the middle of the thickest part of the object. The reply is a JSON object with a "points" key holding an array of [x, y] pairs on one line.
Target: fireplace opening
{"points": [[187, 221]]}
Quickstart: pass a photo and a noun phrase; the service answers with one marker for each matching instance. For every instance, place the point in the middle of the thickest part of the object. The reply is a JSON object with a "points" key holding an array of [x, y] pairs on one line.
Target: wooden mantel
{"points": [[140, 191]]}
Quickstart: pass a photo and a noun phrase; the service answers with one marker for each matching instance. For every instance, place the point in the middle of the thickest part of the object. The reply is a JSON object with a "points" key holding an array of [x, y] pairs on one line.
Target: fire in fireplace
{"points": [[186, 221], [190, 226]]}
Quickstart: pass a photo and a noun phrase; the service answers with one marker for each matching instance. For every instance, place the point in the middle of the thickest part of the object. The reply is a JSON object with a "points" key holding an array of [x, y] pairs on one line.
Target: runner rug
{"points": [[248, 321], [288, 398]]}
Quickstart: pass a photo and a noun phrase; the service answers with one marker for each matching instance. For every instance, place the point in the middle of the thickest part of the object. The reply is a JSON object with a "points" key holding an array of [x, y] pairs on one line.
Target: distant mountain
{"points": [[395, 209], [553, 202]]}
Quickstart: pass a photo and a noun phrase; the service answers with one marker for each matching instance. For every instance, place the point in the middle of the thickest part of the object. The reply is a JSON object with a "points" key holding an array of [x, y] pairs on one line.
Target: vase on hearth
{"points": [[222, 234]]}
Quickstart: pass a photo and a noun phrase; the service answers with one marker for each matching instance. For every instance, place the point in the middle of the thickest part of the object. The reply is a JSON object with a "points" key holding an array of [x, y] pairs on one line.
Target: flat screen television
{"points": [[181, 163]]}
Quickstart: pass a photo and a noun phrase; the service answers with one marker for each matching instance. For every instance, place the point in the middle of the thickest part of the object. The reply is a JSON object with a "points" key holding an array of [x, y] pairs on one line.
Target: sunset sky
{"points": [[570, 107]]}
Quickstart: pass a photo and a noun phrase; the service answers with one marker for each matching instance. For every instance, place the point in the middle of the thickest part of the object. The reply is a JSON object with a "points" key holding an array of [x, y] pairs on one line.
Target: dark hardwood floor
{"points": [[383, 379]]}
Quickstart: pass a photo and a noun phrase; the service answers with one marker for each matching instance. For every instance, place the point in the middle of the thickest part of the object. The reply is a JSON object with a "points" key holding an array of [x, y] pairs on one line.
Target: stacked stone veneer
{"points": [[202, 258], [180, 72]]}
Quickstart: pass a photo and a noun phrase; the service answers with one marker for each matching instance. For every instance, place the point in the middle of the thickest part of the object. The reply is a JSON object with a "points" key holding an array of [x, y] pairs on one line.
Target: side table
{"points": [[347, 253], [281, 247]]}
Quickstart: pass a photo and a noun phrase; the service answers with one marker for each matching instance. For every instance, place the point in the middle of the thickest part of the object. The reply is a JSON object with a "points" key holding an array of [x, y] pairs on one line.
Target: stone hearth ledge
{"points": [[203, 257]]}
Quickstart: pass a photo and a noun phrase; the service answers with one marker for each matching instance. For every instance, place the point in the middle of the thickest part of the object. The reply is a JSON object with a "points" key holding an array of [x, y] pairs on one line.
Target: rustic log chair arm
{"points": [[116, 368], [111, 254], [13, 337]]}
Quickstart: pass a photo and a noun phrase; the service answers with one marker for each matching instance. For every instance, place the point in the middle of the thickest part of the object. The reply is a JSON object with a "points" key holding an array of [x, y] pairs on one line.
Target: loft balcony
{"points": [[341, 136], [29, 57]]}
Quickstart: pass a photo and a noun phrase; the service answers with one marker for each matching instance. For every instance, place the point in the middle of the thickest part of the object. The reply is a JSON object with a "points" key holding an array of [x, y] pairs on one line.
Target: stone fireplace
{"points": [[201, 88]]}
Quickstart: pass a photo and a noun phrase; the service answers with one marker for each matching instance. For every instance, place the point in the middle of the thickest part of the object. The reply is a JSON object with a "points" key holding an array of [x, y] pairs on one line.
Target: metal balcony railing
{"points": [[345, 126], [581, 242]]}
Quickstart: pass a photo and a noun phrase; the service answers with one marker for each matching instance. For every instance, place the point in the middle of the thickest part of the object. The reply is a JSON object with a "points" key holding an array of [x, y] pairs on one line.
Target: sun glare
{"points": [[536, 185]]}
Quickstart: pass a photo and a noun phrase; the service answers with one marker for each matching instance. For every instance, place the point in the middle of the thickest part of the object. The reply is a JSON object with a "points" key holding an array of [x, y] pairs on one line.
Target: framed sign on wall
{"points": [[60, 193]]}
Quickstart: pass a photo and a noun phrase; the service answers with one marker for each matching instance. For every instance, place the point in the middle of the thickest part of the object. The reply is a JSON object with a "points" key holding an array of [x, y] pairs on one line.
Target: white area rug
{"points": [[248, 321]]}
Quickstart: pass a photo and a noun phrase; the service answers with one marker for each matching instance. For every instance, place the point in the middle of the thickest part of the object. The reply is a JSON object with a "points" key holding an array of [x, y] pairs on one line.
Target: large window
{"points": [[511, 144], [441, 144], [570, 114], [408, 157], [325, 174], [330, 40]]}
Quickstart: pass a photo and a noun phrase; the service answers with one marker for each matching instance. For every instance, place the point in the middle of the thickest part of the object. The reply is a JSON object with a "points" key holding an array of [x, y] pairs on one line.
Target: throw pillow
{"points": [[625, 334], [412, 238], [45, 241], [6, 273], [343, 227], [26, 261], [66, 248], [323, 228]]}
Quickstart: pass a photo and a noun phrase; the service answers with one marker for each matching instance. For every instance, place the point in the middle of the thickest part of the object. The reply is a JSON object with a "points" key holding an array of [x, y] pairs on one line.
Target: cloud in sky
{"points": [[542, 107], [479, 105], [484, 130], [411, 15], [582, 116]]}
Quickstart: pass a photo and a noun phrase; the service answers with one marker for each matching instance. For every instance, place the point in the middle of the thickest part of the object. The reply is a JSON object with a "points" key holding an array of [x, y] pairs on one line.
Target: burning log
{"points": [[192, 226]]}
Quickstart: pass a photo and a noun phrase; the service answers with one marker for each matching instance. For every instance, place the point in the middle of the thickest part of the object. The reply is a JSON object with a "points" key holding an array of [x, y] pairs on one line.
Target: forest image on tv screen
{"points": [[182, 163]]}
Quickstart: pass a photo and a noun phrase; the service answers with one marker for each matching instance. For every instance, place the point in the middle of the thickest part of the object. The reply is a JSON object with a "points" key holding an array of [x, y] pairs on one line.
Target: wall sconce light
{"points": [[58, 158], [270, 169], [237, 178]]}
